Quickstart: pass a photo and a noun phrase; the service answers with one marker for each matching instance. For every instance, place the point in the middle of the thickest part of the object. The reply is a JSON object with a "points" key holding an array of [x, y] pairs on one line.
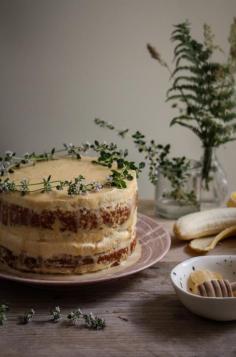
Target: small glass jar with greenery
{"points": [[176, 179], [177, 189]]}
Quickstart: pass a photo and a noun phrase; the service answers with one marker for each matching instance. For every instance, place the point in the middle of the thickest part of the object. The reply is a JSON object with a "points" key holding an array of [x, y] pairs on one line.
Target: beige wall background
{"points": [[65, 62]]}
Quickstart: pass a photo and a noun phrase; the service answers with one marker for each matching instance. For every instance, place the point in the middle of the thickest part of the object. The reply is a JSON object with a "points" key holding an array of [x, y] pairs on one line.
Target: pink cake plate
{"points": [[154, 243]]}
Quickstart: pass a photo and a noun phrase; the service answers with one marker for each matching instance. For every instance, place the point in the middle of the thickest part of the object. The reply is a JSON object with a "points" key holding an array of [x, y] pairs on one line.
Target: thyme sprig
{"points": [[109, 155], [56, 315], [94, 322], [9, 162], [27, 317], [3, 317], [91, 322], [153, 152], [175, 169], [75, 316]]}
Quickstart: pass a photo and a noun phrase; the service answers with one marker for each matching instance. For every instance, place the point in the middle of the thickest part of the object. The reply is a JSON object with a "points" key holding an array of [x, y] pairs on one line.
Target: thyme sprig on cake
{"points": [[74, 187], [10, 161], [175, 169], [108, 155], [202, 89]]}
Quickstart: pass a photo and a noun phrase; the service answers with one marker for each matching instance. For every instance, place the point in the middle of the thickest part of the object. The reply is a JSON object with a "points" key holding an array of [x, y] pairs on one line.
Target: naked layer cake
{"points": [[53, 232]]}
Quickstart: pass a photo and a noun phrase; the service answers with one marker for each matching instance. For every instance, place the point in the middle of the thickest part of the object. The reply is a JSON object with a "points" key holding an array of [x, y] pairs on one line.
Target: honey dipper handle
{"points": [[233, 286]]}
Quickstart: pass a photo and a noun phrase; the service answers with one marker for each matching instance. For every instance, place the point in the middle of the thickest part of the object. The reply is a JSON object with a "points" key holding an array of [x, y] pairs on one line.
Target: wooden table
{"points": [[143, 316]]}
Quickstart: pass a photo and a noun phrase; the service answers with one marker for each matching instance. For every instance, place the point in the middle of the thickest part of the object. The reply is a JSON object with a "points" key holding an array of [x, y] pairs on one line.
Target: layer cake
{"points": [[53, 232]]}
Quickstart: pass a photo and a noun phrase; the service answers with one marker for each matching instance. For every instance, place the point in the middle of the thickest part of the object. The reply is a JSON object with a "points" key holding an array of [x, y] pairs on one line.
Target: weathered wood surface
{"points": [[143, 316]]}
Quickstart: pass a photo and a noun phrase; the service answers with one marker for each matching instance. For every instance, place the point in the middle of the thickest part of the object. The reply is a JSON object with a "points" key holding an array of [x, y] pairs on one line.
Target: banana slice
{"points": [[232, 200], [199, 277], [202, 245]]}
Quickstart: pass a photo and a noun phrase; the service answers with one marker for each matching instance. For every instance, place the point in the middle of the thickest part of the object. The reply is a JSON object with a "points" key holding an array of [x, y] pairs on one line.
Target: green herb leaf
{"points": [[27, 317], [56, 314], [3, 309]]}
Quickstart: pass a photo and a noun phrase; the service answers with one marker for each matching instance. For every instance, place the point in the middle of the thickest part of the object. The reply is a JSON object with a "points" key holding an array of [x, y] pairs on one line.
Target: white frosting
{"points": [[18, 245]]}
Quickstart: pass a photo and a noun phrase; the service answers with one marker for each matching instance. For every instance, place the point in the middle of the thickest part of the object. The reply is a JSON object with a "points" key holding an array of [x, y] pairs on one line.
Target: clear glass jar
{"points": [[214, 186], [176, 197]]}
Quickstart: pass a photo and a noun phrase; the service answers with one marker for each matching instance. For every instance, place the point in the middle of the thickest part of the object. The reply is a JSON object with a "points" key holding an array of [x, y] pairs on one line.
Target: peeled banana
{"points": [[205, 223]]}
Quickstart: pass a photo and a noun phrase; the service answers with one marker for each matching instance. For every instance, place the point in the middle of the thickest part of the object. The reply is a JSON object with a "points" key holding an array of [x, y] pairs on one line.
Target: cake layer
{"points": [[73, 221], [48, 235], [18, 244], [66, 264]]}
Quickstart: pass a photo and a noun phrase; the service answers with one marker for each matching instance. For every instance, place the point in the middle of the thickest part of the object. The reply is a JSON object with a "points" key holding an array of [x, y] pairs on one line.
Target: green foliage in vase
{"points": [[178, 170], [202, 89]]}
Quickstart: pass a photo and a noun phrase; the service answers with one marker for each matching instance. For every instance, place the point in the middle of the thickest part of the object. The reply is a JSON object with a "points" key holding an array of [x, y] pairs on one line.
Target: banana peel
{"points": [[203, 245]]}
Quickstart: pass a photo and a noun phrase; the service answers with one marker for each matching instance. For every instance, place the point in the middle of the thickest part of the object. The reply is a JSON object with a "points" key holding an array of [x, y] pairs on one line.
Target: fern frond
{"points": [[191, 79], [179, 47], [204, 88], [179, 36], [182, 117], [185, 57], [194, 129], [227, 117], [189, 87], [184, 98], [183, 27], [181, 50], [211, 67], [192, 69]]}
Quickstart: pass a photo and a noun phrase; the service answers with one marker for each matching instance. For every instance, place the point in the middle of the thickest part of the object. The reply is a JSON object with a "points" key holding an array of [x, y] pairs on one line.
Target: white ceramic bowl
{"points": [[221, 309]]}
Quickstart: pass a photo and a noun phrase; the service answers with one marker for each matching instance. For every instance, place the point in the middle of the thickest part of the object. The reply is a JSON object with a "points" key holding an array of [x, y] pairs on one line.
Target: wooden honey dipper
{"points": [[217, 288]]}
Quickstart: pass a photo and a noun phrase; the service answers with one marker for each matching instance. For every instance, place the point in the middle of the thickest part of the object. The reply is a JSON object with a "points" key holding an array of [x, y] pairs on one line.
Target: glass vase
{"points": [[174, 198], [214, 184]]}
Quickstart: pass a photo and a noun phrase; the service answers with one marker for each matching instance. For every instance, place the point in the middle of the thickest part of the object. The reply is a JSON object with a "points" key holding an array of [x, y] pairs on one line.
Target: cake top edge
{"points": [[66, 175]]}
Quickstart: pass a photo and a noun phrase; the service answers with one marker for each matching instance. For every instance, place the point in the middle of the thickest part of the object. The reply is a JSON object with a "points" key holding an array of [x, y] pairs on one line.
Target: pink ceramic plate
{"points": [[154, 243]]}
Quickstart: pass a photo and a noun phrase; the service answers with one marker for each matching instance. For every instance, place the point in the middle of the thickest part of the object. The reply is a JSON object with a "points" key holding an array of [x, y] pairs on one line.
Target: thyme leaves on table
{"points": [[94, 322], [27, 317], [56, 315], [91, 322], [74, 316], [3, 309]]}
